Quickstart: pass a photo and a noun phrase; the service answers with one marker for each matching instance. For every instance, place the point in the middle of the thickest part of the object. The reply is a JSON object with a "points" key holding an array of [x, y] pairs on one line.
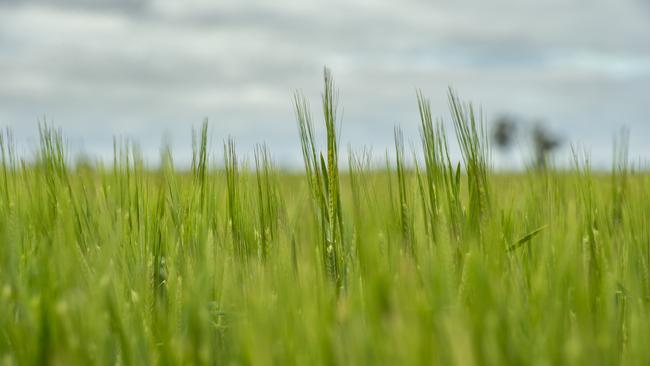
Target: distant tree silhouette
{"points": [[505, 132], [505, 129], [544, 143]]}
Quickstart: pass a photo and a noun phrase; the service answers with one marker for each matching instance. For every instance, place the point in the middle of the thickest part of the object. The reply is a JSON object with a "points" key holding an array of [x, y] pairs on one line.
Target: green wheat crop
{"points": [[426, 261]]}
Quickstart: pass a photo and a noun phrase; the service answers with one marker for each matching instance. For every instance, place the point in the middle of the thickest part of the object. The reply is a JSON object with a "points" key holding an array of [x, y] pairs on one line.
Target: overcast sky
{"points": [[149, 69]]}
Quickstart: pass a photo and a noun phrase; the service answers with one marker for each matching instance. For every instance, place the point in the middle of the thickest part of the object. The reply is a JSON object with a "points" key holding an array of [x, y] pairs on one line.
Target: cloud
{"points": [[125, 6], [143, 66]]}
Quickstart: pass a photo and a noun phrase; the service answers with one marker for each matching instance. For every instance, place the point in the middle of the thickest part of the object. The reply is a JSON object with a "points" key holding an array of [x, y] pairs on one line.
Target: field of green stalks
{"points": [[424, 261]]}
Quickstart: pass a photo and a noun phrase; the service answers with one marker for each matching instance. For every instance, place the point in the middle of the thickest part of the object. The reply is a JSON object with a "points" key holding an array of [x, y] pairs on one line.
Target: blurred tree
{"points": [[505, 131], [544, 143]]}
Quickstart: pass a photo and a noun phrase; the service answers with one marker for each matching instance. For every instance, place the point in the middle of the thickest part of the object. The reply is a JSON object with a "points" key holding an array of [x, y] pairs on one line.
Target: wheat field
{"points": [[425, 260]]}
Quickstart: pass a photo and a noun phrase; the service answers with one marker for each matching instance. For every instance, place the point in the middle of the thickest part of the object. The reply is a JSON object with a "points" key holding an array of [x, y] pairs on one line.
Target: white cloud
{"points": [[142, 67]]}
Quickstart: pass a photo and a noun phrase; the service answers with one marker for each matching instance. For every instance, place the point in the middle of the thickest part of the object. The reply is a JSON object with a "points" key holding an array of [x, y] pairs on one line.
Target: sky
{"points": [[151, 70]]}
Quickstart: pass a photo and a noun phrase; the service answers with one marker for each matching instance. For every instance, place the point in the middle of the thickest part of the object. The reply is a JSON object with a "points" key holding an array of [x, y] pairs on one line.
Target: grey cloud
{"points": [[126, 6], [143, 66]]}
